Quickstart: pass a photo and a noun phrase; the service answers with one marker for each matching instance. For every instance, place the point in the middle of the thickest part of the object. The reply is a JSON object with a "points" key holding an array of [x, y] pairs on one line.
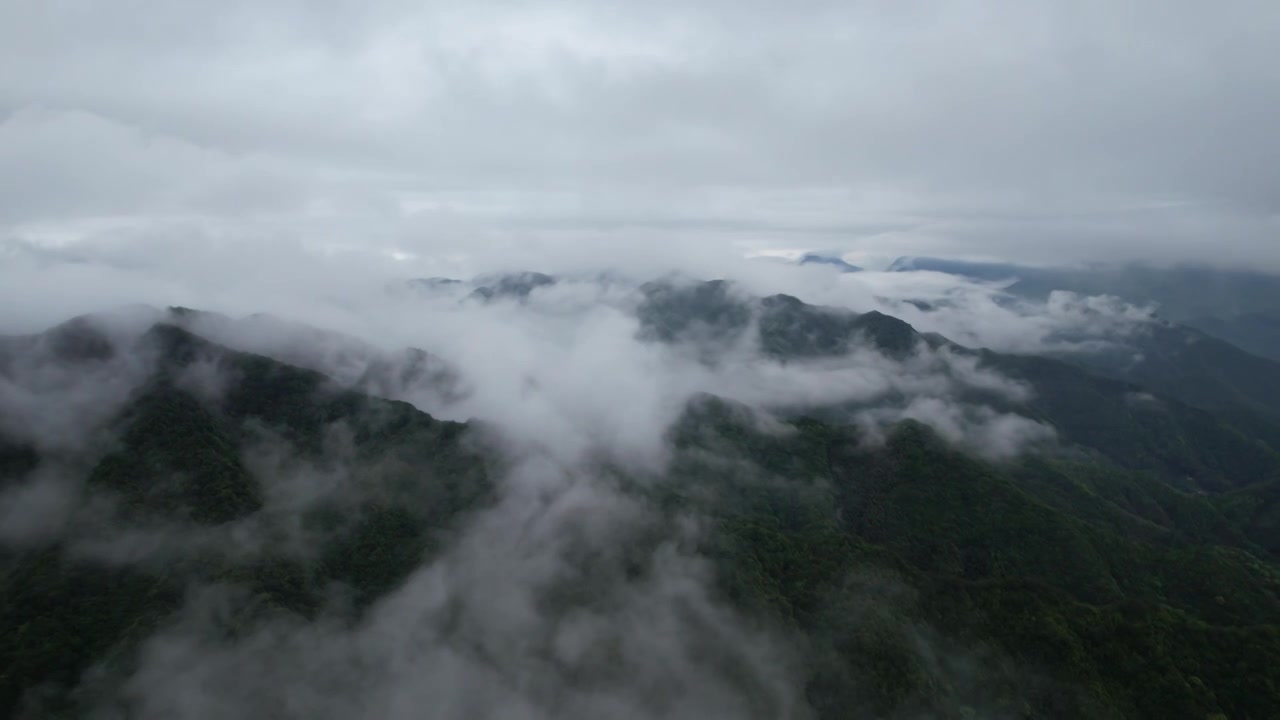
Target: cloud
{"points": [[567, 369], [1062, 132], [973, 313], [569, 596], [102, 168], [58, 389], [472, 636], [976, 428]]}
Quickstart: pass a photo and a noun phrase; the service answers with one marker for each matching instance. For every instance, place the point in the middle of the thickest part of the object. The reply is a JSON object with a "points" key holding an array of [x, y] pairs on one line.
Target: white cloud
{"points": [[1063, 131]]}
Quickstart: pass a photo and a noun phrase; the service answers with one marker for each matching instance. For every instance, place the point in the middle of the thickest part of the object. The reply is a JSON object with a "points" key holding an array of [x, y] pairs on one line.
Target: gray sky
{"points": [[521, 132]]}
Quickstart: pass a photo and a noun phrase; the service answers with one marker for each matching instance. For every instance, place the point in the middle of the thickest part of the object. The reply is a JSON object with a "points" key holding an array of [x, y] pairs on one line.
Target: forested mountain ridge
{"points": [[1210, 445], [1119, 596], [180, 459], [1239, 307], [1124, 565]]}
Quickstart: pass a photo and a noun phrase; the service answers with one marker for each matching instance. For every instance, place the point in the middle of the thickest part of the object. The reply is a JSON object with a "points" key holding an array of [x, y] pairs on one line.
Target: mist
{"points": [[570, 392], [1063, 133]]}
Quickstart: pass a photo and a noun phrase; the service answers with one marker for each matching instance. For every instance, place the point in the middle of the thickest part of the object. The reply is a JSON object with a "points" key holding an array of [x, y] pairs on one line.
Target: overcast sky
{"points": [[1045, 131]]}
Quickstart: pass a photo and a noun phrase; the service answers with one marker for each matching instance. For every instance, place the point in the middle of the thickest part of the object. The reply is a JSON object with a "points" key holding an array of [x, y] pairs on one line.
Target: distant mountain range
{"points": [[828, 259], [1242, 308], [1208, 376]]}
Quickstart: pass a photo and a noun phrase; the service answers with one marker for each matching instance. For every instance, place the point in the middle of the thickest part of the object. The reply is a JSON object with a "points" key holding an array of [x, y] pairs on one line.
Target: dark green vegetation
{"points": [[1129, 570], [1221, 352], [1183, 363], [513, 285], [711, 310], [715, 315], [1187, 446], [179, 457], [1164, 357], [1209, 424], [931, 582]]}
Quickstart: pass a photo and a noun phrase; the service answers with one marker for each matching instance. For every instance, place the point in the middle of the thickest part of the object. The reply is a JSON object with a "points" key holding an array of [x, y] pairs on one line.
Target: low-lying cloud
{"points": [[567, 595]]}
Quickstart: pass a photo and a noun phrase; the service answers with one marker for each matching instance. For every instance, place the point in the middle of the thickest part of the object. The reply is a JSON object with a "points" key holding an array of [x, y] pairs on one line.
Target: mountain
{"points": [[964, 268], [485, 288], [715, 315], [433, 283], [403, 374], [833, 260], [510, 285], [1190, 447], [1192, 366], [712, 310], [1159, 426], [1240, 307], [1108, 593], [177, 464], [1257, 331], [1124, 566]]}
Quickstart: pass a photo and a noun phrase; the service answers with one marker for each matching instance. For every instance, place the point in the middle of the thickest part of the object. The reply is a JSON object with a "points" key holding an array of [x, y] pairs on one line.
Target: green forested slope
{"points": [[1083, 580], [178, 458], [1096, 591]]}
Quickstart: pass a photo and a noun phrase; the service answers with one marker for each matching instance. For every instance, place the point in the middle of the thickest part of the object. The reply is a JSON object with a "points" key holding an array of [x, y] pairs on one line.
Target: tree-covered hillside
{"points": [[1087, 590], [1127, 567], [1239, 307], [177, 463]]}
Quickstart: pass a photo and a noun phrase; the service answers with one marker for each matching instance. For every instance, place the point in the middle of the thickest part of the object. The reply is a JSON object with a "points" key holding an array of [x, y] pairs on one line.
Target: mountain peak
{"points": [[516, 285], [831, 259]]}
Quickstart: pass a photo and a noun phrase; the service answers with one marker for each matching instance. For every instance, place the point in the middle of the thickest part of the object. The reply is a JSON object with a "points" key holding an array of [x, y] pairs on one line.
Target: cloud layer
{"points": [[1064, 131]]}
